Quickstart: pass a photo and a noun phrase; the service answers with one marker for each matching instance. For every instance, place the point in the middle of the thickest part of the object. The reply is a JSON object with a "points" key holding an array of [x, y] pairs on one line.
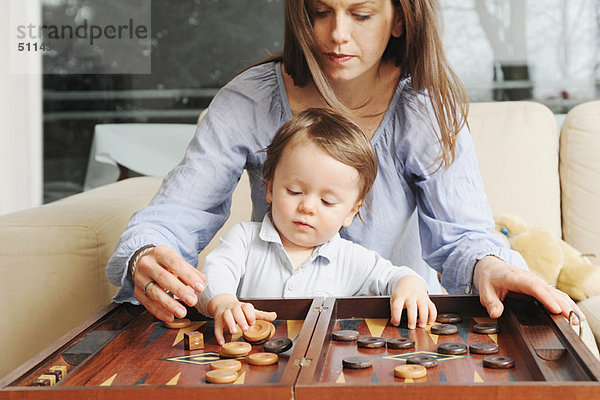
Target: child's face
{"points": [[312, 195], [352, 35]]}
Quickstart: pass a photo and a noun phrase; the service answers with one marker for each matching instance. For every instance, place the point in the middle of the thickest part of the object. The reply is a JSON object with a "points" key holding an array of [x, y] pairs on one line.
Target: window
{"points": [[545, 50], [542, 50], [196, 47]]}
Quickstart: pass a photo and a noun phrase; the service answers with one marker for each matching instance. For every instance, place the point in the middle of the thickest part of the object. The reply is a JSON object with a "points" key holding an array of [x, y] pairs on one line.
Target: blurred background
{"points": [[541, 50]]}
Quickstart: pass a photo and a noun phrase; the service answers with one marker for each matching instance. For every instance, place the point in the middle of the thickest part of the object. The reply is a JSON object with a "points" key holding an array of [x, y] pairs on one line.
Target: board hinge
{"points": [[303, 362]]}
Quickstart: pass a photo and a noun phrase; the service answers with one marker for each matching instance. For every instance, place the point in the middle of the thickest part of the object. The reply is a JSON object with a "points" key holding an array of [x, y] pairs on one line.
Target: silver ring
{"points": [[572, 314], [148, 286]]}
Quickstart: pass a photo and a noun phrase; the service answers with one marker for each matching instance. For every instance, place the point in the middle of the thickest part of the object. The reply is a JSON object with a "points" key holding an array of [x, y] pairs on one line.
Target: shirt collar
{"points": [[268, 233], [327, 250]]}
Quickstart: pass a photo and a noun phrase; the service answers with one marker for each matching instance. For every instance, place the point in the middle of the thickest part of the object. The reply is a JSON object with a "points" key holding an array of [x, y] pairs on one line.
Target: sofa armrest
{"points": [[52, 262], [591, 309], [580, 178]]}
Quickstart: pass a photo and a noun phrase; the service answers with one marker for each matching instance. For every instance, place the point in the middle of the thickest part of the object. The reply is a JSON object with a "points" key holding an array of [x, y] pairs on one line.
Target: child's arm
{"points": [[366, 273], [228, 312], [224, 268], [411, 293]]}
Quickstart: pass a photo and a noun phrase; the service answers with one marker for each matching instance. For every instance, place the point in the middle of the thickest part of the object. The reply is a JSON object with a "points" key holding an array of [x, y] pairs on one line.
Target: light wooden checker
{"points": [[262, 359], [178, 323], [410, 371], [232, 365], [221, 376], [261, 330], [235, 349]]}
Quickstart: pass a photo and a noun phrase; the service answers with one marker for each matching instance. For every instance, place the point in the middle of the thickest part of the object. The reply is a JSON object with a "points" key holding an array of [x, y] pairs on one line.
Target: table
{"points": [[146, 149], [124, 353]]}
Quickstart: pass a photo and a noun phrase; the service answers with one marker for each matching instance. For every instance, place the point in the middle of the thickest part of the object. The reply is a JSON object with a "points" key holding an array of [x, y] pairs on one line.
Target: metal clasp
{"points": [[304, 362], [321, 309]]}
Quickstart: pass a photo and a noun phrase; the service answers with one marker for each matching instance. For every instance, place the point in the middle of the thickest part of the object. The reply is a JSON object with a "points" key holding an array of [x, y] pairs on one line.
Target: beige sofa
{"points": [[52, 257]]}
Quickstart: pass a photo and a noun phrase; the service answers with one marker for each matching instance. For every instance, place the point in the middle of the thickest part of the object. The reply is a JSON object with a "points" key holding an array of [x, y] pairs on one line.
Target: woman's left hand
{"points": [[494, 278]]}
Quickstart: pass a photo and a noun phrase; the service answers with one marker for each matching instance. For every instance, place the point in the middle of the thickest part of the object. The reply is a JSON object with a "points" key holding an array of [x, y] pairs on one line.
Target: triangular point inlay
{"points": [[376, 326], [109, 381], [174, 380], [294, 327]]}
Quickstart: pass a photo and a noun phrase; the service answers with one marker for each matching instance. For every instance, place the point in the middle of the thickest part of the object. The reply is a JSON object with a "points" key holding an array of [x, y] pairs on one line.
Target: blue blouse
{"points": [[418, 215]]}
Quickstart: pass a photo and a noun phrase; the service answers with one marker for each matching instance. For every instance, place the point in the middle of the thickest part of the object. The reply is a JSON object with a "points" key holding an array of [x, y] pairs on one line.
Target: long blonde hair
{"points": [[418, 52]]}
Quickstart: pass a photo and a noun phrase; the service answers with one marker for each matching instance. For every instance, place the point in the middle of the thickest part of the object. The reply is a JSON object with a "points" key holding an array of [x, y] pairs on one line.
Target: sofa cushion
{"points": [[580, 178], [53, 261], [516, 145]]}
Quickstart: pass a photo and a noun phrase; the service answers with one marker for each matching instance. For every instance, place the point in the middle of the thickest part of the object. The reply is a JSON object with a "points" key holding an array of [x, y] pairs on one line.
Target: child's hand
{"points": [[229, 312], [411, 293]]}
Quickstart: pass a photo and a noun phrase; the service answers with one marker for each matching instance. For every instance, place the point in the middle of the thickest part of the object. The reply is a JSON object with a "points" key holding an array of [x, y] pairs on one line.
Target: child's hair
{"points": [[338, 136], [418, 52]]}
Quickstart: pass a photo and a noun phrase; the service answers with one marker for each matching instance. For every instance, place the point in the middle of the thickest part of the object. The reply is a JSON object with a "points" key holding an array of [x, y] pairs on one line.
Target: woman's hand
{"points": [[411, 293], [160, 269], [229, 312], [494, 279]]}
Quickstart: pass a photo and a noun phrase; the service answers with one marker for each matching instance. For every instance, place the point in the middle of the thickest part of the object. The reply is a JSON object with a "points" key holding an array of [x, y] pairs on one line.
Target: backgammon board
{"points": [[125, 353]]}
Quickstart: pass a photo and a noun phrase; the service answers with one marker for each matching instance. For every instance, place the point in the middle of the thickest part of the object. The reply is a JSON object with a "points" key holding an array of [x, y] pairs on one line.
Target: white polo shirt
{"points": [[251, 262]]}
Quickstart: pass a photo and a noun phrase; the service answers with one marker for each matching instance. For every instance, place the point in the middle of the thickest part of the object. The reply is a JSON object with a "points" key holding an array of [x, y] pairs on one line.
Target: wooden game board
{"points": [[124, 353], [549, 357]]}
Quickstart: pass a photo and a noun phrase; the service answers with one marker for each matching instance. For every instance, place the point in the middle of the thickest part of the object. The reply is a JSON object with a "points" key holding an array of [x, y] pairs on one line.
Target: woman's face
{"points": [[352, 35]]}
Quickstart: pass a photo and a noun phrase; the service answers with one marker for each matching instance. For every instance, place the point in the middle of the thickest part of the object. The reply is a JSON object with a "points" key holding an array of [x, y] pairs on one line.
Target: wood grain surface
{"points": [[124, 353]]}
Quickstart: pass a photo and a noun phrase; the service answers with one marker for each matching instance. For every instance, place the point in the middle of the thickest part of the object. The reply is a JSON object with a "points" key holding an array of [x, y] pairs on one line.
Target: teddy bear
{"points": [[552, 259]]}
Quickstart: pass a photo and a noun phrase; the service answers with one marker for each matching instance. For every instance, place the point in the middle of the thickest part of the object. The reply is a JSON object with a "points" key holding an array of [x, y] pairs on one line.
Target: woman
{"points": [[381, 63]]}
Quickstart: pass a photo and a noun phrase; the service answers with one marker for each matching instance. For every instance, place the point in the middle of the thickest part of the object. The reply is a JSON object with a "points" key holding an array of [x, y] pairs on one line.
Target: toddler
{"points": [[318, 172]]}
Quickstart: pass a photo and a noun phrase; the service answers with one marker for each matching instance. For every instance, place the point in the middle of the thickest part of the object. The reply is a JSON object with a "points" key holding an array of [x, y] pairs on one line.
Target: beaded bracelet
{"points": [[141, 252]]}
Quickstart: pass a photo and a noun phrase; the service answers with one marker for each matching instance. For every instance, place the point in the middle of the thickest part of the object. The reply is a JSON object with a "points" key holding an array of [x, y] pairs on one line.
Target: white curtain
{"points": [[20, 110]]}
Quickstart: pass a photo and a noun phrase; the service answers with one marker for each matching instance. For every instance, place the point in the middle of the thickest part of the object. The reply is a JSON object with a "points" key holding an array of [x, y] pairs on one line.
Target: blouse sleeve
{"points": [[194, 200], [455, 222]]}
